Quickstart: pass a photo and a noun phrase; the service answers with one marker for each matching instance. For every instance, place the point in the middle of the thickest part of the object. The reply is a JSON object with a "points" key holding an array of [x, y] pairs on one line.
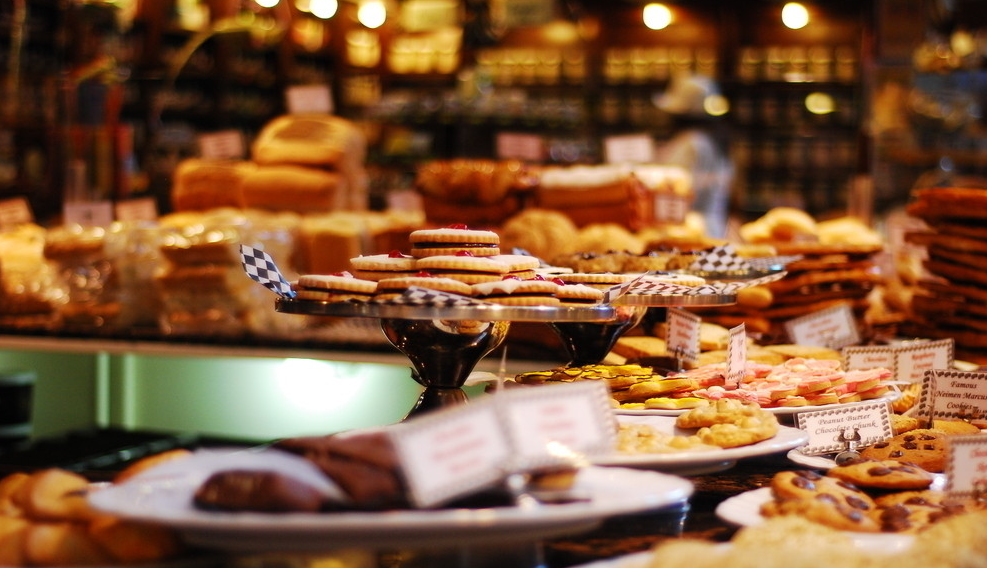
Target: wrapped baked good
{"points": [[473, 191], [200, 184], [30, 290], [595, 194]]}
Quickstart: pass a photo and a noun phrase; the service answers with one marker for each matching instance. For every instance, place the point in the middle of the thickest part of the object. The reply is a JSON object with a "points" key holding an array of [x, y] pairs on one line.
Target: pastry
{"points": [[464, 267], [390, 288], [339, 287], [522, 266], [513, 291], [743, 432], [261, 491], [883, 474], [577, 294], [825, 509], [723, 411], [452, 240], [923, 447], [380, 266], [823, 499]]}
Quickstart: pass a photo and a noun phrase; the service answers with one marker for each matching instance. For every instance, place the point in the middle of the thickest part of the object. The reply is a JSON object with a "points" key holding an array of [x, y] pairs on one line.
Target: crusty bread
{"points": [[291, 188], [200, 184], [318, 140]]}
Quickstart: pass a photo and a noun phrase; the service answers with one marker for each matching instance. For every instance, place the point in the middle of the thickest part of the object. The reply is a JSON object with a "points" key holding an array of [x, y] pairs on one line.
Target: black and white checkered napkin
{"points": [[618, 290], [260, 267], [720, 259], [418, 296]]}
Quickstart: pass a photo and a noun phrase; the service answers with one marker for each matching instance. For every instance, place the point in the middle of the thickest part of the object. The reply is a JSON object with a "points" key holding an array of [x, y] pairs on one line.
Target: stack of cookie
{"points": [[952, 301], [827, 275]]}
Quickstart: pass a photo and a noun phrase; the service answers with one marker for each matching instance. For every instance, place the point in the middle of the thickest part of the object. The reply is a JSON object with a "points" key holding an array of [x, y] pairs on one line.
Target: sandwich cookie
{"points": [[336, 287], [390, 288], [513, 291], [599, 280], [521, 265], [464, 267], [577, 294], [380, 266], [452, 240]]}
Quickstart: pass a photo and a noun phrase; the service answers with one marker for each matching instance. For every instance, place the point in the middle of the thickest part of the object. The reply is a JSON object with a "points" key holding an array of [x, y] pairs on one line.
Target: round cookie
{"points": [[521, 265], [513, 291], [807, 484], [452, 240], [601, 281], [337, 287], [391, 288], [577, 294], [678, 278], [883, 474], [380, 266], [746, 431], [923, 447], [824, 509], [722, 411], [954, 427], [464, 267]]}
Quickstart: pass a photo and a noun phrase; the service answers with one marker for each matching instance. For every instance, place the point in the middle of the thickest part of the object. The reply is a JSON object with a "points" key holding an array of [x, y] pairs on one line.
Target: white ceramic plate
{"points": [[165, 497], [699, 461], [777, 411], [745, 510]]}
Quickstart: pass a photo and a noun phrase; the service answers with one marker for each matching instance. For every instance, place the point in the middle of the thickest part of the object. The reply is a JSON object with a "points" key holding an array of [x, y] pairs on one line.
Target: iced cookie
{"points": [[513, 291]]}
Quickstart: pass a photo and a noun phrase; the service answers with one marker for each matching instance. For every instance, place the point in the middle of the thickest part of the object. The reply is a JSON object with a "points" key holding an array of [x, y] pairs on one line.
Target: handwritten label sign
{"points": [[954, 394], [834, 327], [517, 146], [630, 148], [450, 453], [551, 426], [223, 145], [670, 208], [737, 354], [966, 466], [88, 213], [908, 361], [912, 361], [455, 451], [14, 212], [830, 430], [308, 99], [141, 209], [683, 334]]}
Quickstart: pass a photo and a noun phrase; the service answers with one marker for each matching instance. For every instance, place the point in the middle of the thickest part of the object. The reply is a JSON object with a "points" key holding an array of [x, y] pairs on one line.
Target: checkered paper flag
{"points": [[418, 296], [260, 267], [720, 259]]}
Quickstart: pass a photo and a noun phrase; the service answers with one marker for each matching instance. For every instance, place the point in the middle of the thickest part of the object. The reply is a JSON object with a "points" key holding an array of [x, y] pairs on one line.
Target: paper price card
{"points": [[908, 361], [912, 361], [224, 145], [834, 327], [829, 431], [302, 99], [14, 212], [452, 452], [558, 424], [141, 209], [737, 354], [954, 394], [515, 146], [670, 208], [88, 213], [966, 466], [630, 148], [683, 334]]}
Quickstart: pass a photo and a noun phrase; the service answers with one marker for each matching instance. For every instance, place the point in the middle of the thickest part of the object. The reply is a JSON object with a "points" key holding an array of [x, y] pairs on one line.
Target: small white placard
{"points": [[683, 334], [966, 466], [834, 327], [864, 357], [737, 355], [630, 148], [222, 145], [14, 212], [829, 430], [88, 213], [670, 208], [954, 394], [451, 453], [913, 360], [308, 99], [140, 209], [558, 424], [517, 146]]}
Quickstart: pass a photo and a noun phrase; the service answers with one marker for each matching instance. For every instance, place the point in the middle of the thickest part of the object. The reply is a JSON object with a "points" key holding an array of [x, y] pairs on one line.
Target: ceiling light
{"points": [[794, 16], [657, 16]]}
